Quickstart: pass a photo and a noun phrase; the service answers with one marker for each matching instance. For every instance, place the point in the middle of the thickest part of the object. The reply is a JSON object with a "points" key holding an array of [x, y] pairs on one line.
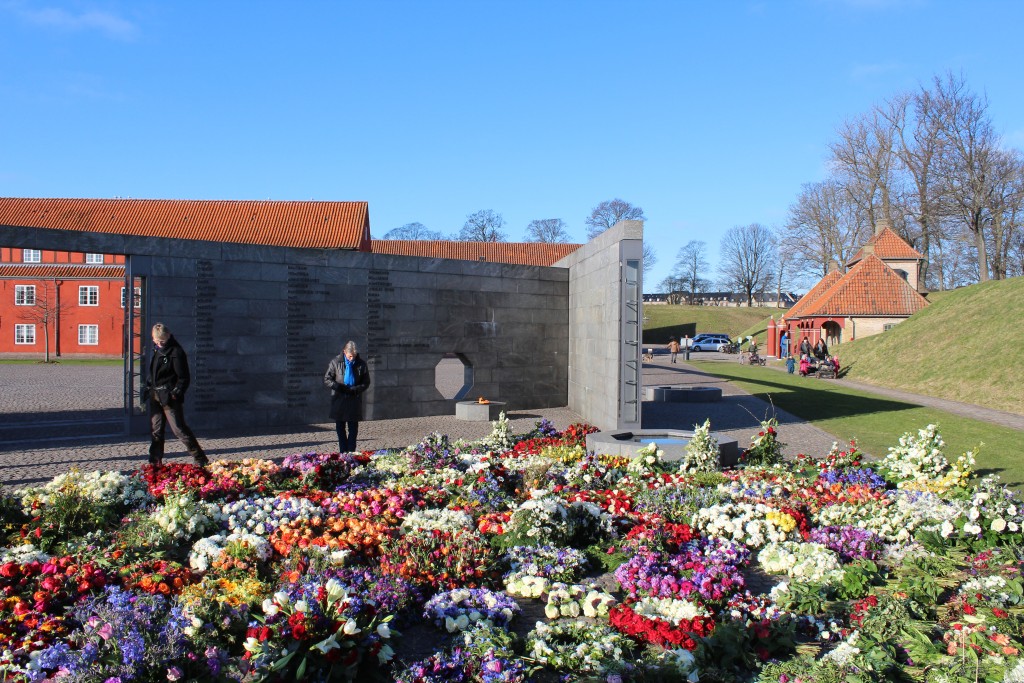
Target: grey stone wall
{"points": [[599, 359], [260, 325]]}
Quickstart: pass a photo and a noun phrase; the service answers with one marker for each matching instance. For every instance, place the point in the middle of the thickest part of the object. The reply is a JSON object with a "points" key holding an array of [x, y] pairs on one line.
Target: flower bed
{"points": [[821, 569]]}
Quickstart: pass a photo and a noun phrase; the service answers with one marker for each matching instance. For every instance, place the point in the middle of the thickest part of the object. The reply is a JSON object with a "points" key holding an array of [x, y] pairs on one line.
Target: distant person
{"points": [[835, 364], [784, 346], [686, 347], [805, 347], [820, 350], [805, 365], [673, 349], [167, 382], [347, 377], [790, 364]]}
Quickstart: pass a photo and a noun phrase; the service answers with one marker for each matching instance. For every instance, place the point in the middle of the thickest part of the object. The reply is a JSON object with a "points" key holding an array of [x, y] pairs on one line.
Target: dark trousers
{"points": [[173, 415], [347, 444]]}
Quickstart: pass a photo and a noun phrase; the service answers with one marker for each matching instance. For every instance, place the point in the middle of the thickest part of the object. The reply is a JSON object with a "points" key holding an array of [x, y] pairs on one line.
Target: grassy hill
{"points": [[664, 321], [967, 346]]}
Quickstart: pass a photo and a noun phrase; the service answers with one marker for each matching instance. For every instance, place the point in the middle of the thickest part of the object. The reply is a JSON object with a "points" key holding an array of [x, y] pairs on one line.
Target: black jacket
{"points": [[346, 402], [168, 367]]}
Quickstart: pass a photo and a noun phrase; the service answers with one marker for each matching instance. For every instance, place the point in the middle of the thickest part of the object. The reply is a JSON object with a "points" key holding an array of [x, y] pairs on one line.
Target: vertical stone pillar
{"points": [[773, 339]]}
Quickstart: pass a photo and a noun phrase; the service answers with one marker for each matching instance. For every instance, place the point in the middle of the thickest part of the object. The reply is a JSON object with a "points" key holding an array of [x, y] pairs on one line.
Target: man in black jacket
{"points": [[168, 380], [347, 377]]}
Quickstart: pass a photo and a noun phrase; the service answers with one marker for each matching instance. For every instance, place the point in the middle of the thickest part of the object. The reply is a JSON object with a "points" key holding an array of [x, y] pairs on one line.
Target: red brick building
{"points": [[69, 303], [878, 290]]}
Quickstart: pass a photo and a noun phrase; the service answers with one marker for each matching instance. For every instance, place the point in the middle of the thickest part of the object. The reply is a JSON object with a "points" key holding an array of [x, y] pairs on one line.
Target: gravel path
{"points": [[56, 417]]}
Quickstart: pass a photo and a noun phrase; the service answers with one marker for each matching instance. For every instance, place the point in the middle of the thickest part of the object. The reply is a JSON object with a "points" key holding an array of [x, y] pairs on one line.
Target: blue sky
{"points": [[706, 114]]}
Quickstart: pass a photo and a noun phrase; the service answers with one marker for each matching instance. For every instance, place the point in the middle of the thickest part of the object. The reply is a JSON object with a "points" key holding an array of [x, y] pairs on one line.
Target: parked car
{"points": [[709, 342]]}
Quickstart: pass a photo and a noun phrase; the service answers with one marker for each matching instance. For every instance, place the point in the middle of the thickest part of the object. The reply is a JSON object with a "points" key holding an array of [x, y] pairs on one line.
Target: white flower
{"points": [[351, 628], [270, 608], [998, 524], [328, 644], [383, 630]]}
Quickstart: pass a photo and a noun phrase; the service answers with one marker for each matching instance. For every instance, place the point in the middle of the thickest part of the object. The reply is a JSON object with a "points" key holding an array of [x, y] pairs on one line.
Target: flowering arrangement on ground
{"points": [[322, 567]]}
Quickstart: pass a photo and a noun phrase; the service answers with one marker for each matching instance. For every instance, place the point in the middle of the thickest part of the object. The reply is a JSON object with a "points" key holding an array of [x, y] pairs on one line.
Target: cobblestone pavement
{"points": [[56, 417]]}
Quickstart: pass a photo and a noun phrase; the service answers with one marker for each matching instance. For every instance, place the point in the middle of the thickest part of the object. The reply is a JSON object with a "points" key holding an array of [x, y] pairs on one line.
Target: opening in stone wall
{"points": [[453, 376]]}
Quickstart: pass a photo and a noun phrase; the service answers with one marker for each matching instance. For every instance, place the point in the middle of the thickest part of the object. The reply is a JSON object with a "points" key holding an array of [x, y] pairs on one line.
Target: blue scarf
{"points": [[350, 375]]}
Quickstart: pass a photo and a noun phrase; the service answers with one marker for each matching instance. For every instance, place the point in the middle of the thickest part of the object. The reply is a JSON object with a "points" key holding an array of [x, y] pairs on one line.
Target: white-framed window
{"points": [[888, 326], [88, 335], [24, 334], [24, 295], [31, 256], [89, 295], [94, 258], [137, 301]]}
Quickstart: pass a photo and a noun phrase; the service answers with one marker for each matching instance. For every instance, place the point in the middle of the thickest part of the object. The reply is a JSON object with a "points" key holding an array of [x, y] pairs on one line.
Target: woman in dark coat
{"points": [[347, 377], [820, 350]]}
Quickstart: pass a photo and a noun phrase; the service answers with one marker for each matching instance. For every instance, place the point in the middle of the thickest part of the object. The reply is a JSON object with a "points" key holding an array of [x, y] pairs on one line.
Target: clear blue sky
{"points": [[706, 114]]}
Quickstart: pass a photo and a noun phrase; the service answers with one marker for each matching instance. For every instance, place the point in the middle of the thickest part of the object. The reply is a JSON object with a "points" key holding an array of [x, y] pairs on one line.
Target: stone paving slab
{"points": [[46, 436]]}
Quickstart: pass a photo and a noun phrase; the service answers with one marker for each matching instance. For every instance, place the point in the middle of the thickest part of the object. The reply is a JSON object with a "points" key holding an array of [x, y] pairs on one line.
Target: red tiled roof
{"points": [[887, 245], [62, 271], [870, 288], [808, 299], [316, 225], [519, 253]]}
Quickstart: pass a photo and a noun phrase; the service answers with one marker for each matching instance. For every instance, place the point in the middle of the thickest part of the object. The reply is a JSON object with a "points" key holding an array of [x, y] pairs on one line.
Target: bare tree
{"points": [[483, 226], [919, 145], [608, 213], [1005, 209], [785, 254], [547, 230], [650, 257], [968, 168], [748, 259], [691, 263], [413, 231], [46, 311], [864, 158], [824, 226]]}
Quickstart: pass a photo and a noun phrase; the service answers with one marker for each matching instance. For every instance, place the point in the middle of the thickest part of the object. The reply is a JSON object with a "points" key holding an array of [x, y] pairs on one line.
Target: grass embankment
{"points": [[967, 346], [664, 321], [876, 422]]}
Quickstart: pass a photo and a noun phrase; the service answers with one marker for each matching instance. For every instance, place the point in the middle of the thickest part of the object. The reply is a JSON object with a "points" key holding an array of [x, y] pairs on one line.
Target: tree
{"points": [[864, 158], [748, 259], [825, 226], [413, 231], [650, 258], [483, 226], [968, 168], [608, 213], [785, 252], [547, 230], [46, 311], [691, 263]]}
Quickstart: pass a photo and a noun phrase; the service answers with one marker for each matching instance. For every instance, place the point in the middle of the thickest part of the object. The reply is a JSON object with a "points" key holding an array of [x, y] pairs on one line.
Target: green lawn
{"points": [[875, 421]]}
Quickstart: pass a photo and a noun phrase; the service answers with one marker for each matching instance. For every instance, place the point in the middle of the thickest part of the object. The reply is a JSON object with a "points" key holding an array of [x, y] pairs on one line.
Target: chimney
{"points": [[833, 265], [881, 224], [867, 249]]}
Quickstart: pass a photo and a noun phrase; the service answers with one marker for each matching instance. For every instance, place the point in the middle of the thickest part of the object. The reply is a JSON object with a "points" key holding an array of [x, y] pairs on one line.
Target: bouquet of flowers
{"points": [[547, 561], [572, 600], [458, 609], [665, 622], [701, 451], [765, 448], [578, 646], [918, 463]]}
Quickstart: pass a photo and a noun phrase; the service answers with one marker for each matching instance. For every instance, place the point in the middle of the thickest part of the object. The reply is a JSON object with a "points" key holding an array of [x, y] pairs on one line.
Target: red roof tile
{"points": [[62, 271], [317, 225], [870, 288], [808, 299], [887, 244], [519, 253]]}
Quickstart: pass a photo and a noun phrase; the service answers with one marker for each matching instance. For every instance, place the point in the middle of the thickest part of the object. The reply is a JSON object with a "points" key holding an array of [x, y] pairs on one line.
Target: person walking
{"points": [[784, 345], [673, 348], [347, 377], [167, 383]]}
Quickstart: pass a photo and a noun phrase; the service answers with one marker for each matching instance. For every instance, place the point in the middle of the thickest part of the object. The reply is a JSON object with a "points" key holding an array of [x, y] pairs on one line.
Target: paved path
{"points": [[56, 417]]}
